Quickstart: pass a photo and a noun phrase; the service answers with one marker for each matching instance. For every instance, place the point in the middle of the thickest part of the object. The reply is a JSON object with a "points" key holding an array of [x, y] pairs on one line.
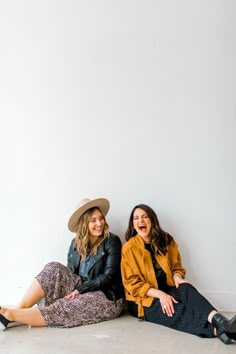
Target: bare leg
{"points": [[211, 314], [31, 316], [32, 296]]}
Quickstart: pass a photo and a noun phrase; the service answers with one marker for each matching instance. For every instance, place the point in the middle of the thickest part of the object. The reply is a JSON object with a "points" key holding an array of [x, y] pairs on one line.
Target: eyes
{"points": [[144, 216], [94, 220]]}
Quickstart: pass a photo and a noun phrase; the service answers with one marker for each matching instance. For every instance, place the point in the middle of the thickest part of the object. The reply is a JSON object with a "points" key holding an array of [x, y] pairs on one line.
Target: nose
{"points": [[98, 222]]}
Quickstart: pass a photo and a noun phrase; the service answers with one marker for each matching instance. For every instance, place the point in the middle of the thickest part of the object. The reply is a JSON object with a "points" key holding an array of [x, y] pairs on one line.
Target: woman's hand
{"points": [[167, 303], [71, 295], [179, 280]]}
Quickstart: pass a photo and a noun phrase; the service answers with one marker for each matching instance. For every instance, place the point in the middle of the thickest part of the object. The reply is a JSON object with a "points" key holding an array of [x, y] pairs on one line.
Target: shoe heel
{"points": [[3, 323], [224, 338]]}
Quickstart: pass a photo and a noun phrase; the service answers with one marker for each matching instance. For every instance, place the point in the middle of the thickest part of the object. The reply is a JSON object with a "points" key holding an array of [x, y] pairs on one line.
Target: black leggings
{"points": [[190, 315]]}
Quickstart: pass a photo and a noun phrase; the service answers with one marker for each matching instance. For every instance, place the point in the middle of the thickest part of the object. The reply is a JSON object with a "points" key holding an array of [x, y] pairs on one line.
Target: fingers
{"points": [[174, 300], [71, 296], [68, 297], [178, 282], [168, 307]]}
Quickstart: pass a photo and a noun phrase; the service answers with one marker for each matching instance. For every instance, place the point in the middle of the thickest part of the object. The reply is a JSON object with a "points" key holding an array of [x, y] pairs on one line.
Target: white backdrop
{"points": [[130, 100]]}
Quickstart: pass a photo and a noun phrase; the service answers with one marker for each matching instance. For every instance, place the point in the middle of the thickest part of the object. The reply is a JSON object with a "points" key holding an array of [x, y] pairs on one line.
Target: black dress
{"points": [[191, 312]]}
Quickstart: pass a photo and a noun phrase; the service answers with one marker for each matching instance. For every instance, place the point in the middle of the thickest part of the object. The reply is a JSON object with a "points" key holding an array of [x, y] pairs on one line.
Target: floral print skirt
{"points": [[58, 281]]}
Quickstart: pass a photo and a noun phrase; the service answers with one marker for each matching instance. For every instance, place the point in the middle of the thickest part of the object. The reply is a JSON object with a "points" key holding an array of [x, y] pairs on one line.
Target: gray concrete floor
{"points": [[124, 335]]}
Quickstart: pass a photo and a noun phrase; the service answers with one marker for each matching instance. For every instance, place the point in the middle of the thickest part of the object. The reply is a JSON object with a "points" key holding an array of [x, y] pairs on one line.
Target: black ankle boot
{"points": [[226, 329]]}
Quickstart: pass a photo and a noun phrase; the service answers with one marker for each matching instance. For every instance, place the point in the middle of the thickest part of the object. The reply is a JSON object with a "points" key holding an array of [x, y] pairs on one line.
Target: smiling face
{"points": [[142, 224], [96, 225]]}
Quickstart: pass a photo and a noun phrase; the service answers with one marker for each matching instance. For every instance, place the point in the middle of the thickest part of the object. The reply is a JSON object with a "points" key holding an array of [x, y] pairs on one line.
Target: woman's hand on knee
{"points": [[179, 280], [71, 295], [167, 303]]}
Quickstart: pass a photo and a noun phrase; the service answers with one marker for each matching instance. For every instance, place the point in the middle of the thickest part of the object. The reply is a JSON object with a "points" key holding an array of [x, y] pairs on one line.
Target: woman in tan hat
{"points": [[88, 290]]}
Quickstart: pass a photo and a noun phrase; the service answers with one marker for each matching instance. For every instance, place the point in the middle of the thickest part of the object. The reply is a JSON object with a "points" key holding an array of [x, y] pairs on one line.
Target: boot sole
{"points": [[225, 339]]}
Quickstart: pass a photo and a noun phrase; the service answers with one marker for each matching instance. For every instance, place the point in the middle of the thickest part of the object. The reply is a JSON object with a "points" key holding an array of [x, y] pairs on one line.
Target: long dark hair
{"points": [[160, 239]]}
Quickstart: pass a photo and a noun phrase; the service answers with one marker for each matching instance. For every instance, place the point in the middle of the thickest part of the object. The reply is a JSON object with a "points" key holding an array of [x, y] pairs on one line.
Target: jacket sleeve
{"points": [[133, 281], [69, 263], [175, 260], [111, 269]]}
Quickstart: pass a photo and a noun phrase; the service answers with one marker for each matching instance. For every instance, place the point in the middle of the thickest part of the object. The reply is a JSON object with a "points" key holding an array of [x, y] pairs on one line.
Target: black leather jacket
{"points": [[104, 268]]}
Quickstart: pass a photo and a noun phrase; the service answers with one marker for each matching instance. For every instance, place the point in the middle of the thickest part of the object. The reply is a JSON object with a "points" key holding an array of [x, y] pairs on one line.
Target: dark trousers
{"points": [[190, 315]]}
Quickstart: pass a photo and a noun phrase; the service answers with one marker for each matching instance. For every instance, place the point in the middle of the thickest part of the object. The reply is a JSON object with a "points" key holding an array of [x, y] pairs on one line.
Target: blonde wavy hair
{"points": [[82, 234]]}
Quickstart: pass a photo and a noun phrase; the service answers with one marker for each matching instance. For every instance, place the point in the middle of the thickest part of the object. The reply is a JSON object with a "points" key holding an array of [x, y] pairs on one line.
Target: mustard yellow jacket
{"points": [[138, 273]]}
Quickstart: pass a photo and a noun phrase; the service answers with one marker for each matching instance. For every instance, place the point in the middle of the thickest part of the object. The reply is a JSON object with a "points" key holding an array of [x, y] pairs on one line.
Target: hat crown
{"points": [[83, 202]]}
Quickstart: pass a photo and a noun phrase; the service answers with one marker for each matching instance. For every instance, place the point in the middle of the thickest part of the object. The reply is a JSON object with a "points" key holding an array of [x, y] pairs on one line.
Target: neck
{"points": [[146, 239], [92, 240]]}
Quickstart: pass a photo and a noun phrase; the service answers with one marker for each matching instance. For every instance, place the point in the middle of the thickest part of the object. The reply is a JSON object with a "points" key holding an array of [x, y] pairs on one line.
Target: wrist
{"points": [[154, 293], [177, 276]]}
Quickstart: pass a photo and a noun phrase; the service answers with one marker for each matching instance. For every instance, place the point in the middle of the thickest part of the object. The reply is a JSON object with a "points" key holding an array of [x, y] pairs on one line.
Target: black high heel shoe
{"points": [[5, 323], [226, 329]]}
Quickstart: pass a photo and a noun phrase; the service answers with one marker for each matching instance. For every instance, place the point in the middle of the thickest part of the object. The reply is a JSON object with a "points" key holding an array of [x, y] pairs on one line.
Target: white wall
{"points": [[130, 100]]}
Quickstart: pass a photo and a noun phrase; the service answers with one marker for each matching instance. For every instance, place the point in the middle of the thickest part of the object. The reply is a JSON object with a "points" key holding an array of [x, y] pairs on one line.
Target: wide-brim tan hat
{"points": [[85, 204]]}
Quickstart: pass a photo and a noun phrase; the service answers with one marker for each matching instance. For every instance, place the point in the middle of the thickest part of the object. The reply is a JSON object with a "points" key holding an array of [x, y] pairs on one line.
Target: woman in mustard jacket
{"points": [[155, 286]]}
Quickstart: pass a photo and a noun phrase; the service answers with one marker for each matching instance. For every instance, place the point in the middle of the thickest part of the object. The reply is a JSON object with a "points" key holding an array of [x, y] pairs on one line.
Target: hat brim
{"points": [[101, 203]]}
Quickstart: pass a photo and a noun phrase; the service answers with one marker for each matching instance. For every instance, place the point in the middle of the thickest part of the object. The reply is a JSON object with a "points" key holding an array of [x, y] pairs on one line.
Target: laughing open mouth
{"points": [[143, 228]]}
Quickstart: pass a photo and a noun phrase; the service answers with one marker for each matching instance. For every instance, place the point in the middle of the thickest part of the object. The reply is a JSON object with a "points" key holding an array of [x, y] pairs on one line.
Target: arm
{"points": [[131, 270], [134, 282], [179, 280], [174, 260], [167, 301], [111, 271], [177, 269], [69, 263], [136, 285]]}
